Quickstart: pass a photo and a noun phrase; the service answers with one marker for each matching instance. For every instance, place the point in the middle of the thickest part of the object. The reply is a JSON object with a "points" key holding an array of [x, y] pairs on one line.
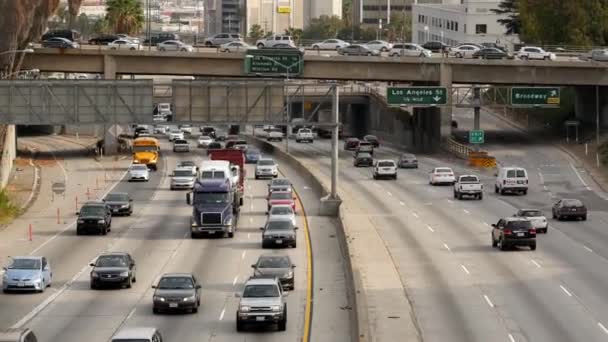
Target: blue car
{"points": [[252, 156], [27, 274]]}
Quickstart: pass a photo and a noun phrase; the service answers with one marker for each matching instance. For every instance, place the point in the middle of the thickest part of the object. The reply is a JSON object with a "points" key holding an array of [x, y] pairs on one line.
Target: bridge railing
{"points": [[454, 147]]}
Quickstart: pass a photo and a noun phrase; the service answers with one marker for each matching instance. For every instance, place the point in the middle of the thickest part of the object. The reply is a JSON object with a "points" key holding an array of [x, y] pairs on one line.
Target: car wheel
{"points": [[195, 309], [559, 217], [455, 195], [316, 48], [533, 246], [494, 243], [93, 286], [161, 49], [264, 245], [239, 325], [502, 245], [78, 231], [524, 192], [458, 55], [584, 218], [421, 55], [112, 48], [129, 285], [104, 231], [345, 53], [42, 287], [524, 58], [155, 311], [369, 54], [546, 58], [132, 49], [260, 46], [295, 244], [134, 279], [208, 44], [502, 191], [480, 196], [495, 189], [283, 323], [231, 234]]}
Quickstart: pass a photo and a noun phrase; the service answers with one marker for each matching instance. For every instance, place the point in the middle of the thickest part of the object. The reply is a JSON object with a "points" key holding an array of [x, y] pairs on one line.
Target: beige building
{"points": [[275, 15]]}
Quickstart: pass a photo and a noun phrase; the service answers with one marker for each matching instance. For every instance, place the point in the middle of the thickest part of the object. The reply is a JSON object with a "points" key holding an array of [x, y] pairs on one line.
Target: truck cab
{"points": [[212, 203]]}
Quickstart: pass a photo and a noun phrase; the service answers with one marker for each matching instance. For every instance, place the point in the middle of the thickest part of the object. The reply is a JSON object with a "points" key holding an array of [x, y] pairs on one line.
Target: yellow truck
{"points": [[146, 151]]}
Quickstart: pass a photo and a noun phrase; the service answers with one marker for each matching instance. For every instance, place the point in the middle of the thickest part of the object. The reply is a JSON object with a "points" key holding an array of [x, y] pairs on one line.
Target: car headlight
{"points": [[101, 221], [124, 274], [94, 275], [158, 298], [289, 274], [80, 221], [124, 206], [228, 222], [190, 299], [275, 308], [244, 308]]}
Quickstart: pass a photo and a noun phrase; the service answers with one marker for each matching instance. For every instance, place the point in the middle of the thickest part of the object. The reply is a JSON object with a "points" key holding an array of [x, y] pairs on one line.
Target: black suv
{"points": [[513, 231], [94, 216], [116, 269], [103, 39], [120, 203]]}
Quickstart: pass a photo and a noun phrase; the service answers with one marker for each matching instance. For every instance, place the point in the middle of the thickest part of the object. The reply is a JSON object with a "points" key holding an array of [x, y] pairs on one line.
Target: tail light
{"points": [[504, 182], [507, 231], [532, 231]]}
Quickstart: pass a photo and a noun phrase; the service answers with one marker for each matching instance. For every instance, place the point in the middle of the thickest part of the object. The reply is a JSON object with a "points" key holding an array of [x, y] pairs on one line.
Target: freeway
{"points": [[157, 236], [460, 287]]}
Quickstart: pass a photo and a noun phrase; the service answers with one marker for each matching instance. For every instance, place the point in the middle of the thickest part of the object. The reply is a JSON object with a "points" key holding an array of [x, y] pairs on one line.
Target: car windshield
{"points": [[182, 173], [257, 291], [137, 149], [280, 182], [204, 137], [279, 225], [175, 283], [443, 170], [139, 168], [280, 195], [25, 264], [519, 224], [96, 210], [281, 210], [530, 213], [111, 261], [117, 197], [266, 162], [408, 156], [371, 138], [572, 203], [386, 164], [365, 143], [187, 163], [364, 155], [274, 262], [211, 198], [305, 131], [213, 175], [181, 142], [521, 174], [468, 179]]}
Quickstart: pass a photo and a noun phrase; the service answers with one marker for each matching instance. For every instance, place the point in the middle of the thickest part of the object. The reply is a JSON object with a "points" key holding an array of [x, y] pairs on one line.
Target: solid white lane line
{"points": [[464, 268], [249, 235], [588, 249], [535, 263], [486, 224], [430, 228], [466, 212], [566, 290], [389, 193], [243, 254], [545, 188], [542, 179], [415, 215], [251, 220], [131, 314], [602, 327], [222, 314], [447, 247], [401, 202], [488, 301], [235, 280], [580, 177], [511, 338]]}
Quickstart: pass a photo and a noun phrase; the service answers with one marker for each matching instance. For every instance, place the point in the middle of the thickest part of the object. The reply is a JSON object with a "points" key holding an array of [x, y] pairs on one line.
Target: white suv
{"points": [[409, 50], [511, 179], [533, 52], [274, 40], [385, 168], [266, 168]]}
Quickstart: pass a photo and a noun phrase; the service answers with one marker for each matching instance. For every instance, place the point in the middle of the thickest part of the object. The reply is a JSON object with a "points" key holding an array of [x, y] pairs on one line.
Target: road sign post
{"points": [[417, 96], [535, 96], [476, 137]]}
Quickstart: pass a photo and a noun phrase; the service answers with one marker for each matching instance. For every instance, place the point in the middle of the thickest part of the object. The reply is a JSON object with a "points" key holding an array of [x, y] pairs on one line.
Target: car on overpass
{"points": [[491, 53], [599, 55], [160, 37], [222, 39], [236, 46], [60, 43], [535, 52], [409, 50], [358, 50], [380, 45], [330, 44], [463, 51], [174, 45], [435, 46], [123, 44], [271, 41], [513, 232], [103, 39]]}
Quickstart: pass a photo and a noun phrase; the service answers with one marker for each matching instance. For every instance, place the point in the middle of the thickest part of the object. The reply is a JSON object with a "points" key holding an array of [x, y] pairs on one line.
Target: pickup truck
{"points": [[468, 185], [304, 134]]}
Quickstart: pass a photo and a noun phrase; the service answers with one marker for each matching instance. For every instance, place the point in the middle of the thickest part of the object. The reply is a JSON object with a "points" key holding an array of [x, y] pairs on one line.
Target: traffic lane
{"points": [[223, 266], [78, 308], [508, 277]]}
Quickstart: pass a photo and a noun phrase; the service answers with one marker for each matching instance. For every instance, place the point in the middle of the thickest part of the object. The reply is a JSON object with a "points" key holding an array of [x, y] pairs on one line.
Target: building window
{"points": [[481, 29], [456, 26]]}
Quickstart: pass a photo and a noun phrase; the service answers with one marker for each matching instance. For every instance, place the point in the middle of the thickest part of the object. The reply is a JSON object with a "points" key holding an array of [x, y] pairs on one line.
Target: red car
{"points": [[351, 144], [281, 197]]}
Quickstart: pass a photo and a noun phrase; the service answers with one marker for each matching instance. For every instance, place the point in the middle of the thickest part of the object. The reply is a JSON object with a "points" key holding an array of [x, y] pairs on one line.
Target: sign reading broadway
{"points": [[535, 96], [417, 96]]}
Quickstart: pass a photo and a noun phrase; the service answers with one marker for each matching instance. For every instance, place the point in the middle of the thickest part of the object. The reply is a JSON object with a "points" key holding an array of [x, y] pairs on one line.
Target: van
{"points": [[17, 335], [511, 179], [138, 334]]}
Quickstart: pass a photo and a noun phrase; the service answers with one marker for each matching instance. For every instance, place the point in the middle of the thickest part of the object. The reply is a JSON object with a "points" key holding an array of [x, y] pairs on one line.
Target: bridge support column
{"points": [[109, 67], [445, 80]]}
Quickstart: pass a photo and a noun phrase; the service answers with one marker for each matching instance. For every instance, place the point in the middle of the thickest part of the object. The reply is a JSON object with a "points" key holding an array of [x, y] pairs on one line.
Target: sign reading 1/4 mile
{"points": [[423, 96], [535, 96], [476, 137]]}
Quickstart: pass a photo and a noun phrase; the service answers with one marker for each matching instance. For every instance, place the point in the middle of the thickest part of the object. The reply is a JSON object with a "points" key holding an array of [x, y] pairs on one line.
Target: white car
{"points": [[275, 135], [534, 52], [538, 219], [282, 211], [204, 141], [159, 118], [379, 45], [463, 51], [181, 145], [183, 178], [139, 172], [129, 38], [160, 129], [330, 44], [266, 168], [385, 168], [442, 175], [175, 134], [174, 45], [187, 129], [275, 40], [236, 46], [123, 44], [409, 50], [305, 134]]}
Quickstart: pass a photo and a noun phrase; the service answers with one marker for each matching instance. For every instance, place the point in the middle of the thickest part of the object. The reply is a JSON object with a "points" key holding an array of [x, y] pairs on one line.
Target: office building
{"points": [[316, 8], [275, 15], [224, 16], [370, 12], [459, 21]]}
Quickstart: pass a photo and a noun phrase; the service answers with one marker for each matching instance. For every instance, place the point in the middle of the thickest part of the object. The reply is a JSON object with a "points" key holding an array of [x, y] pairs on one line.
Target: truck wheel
{"points": [[239, 325], [231, 234], [480, 197], [455, 195], [241, 201], [533, 246], [193, 235], [495, 189], [283, 323]]}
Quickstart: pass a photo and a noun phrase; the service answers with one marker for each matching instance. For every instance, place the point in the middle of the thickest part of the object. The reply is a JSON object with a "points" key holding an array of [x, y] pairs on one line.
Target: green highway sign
{"points": [[417, 96], [274, 62], [535, 96], [476, 137]]}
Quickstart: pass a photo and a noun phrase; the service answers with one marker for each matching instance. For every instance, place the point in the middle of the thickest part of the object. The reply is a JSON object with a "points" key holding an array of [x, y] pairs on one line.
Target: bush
{"points": [[8, 211]]}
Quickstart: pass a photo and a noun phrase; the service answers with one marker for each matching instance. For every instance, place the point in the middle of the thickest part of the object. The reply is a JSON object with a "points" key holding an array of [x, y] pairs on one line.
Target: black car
{"points": [[275, 266], [104, 39], [160, 37], [71, 35], [113, 269], [214, 146], [208, 131], [569, 208], [351, 144], [490, 53], [435, 46], [120, 203], [372, 139], [176, 292], [94, 217], [513, 231], [59, 43], [363, 159], [279, 232]]}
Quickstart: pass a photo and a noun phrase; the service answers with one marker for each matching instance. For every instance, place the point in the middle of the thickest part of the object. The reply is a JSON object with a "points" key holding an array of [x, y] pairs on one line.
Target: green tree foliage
{"points": [[510, 9], [399, 29], [323, 27], [125, 16], [256, 31], [295, 33]]}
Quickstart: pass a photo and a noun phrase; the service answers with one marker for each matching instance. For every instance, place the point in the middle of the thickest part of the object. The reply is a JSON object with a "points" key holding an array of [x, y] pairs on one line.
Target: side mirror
{"points": [[261, 228], [188, 200], [153, 286], [77, 213], [237, 295], [130, 200], [4, 268], [198, 287], [296, 228], [103, 200], [132, 264], [293, 266], [253, 266], [495, 174], [494, 225], [92, 264]]}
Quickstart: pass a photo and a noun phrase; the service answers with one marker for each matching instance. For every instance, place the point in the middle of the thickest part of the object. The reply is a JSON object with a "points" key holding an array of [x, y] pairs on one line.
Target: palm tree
{"points": [[125, 16]]}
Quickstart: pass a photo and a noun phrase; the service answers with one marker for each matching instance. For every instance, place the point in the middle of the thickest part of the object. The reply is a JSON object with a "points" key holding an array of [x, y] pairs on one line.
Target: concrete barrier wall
{"points": [[9, 153], [392, 125]]}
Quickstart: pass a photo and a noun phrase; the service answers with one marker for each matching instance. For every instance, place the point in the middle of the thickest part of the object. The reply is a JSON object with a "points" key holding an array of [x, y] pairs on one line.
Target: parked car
{"points": [[463, 51], [103, 39], [123, 44], [94, 217], [363, 159], [358, 50], [275, 266], [408, 161], [174, 45], [513, 231], [569, 208], [176, 292], [271, 41], [27, 273], [236, 46], [538, 219], [534, 52], [491, 53], [60, 43], [379, 45], [113, 269], [409, 50], [330, 44], [120, 203], [435, 46], [222, 39], [442, 175]]}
